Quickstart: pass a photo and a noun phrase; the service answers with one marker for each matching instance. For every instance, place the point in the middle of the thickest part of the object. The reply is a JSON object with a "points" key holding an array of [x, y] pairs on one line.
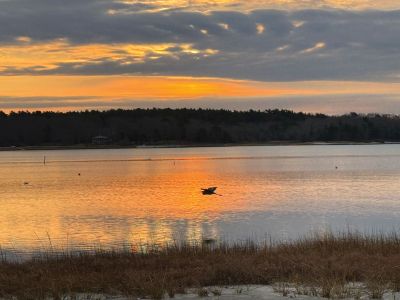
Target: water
{"points": [[133, 196]]}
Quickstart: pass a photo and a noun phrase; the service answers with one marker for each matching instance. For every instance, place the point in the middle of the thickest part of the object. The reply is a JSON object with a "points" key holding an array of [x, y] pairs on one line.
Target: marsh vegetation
{"points": [[330, 265]]}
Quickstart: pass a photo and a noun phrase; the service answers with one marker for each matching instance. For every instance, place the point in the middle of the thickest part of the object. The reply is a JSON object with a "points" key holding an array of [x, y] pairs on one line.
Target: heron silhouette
{"points": [[210, 191]]}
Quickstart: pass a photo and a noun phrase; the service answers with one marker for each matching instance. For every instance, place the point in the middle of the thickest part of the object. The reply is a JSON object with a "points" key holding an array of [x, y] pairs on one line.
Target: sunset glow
{"points": [[220, 53], [125, 87], [252, 4], [154, 149]]}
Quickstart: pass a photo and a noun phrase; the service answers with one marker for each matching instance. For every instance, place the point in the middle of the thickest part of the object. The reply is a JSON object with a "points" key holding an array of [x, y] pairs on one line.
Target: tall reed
{"points": [[316, 264]]}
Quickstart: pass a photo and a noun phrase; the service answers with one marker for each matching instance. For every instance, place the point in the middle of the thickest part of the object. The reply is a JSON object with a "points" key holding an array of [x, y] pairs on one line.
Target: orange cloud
{"points": [[254, 4], [80, 92], [25, 54]]}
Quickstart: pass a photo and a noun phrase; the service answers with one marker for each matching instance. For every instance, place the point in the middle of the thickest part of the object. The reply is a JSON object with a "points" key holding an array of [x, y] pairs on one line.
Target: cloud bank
{"points": [[326, 104], [262, 45]]}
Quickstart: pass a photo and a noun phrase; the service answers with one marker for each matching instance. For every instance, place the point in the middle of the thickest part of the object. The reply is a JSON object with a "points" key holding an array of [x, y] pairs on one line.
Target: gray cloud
{"points": [[21, 103], [295, 45], [329, 104]]}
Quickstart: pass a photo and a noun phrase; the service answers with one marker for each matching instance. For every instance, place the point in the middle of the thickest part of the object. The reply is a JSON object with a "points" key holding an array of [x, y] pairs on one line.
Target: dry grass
{"points": [[319, 265]]}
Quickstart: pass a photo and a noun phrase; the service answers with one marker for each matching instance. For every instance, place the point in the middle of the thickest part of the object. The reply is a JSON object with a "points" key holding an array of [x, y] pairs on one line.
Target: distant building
{"points": [[101, 140]]}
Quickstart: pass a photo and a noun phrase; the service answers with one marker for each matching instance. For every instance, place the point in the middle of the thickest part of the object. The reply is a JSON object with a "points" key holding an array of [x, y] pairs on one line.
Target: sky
{"points": [[329, 56]]}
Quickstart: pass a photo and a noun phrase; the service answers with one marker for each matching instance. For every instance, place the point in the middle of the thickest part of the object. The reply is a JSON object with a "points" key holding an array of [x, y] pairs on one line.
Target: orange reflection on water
{"points": [[115, 202], [149, 197]]}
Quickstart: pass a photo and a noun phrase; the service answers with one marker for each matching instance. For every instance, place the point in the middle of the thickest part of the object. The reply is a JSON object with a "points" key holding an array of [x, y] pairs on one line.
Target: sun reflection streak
{"points": [[130, 203]]}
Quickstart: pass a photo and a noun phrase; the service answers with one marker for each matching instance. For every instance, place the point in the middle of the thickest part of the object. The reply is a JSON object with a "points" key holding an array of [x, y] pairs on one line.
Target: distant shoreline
{"points": [[180, 128], [111, 146]]}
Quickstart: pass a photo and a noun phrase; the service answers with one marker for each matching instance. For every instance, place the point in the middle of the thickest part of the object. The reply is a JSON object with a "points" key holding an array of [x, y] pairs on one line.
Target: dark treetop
{"points": [[190, 126]]}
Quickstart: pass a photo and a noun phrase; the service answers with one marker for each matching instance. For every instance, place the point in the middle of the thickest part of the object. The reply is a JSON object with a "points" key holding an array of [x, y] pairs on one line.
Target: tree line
{"points": [[191, 126]]}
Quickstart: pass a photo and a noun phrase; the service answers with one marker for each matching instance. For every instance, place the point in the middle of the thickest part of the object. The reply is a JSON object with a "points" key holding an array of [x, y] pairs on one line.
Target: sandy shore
{"points": [[242, 292]]}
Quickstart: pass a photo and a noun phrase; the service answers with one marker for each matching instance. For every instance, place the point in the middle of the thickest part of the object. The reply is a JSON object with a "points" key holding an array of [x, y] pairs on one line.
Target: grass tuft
{"points": [[323, 265]]}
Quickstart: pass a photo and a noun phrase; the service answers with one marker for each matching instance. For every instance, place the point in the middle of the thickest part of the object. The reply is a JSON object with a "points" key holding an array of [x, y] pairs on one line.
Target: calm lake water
{"points": [[135, 196]]}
